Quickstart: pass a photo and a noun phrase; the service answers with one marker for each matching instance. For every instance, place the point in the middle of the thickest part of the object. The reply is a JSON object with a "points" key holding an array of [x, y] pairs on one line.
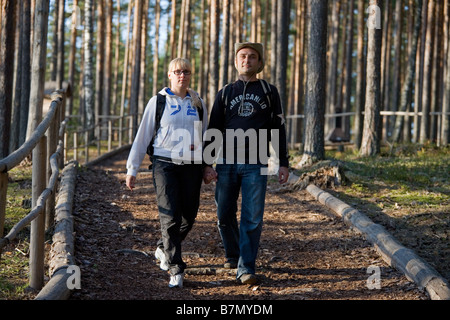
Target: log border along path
{"points": [[391, 251]]}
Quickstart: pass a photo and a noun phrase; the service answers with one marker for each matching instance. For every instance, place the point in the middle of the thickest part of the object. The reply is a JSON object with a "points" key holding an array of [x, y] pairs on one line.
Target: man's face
{"points": [[247, 61]]}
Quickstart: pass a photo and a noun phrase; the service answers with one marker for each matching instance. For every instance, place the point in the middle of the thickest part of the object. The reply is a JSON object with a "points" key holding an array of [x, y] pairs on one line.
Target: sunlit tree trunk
{"points": [[60, 65], [283, 18], [100, 64], [134, 96], [360, 78], [107, 75], [332, 70], [214, 50], [406, 94], [115, 80], [88, 83], [426, 96], [314, 145], [224, 51], [72, 53], [143, 64], [156, 48], [370, 145]]}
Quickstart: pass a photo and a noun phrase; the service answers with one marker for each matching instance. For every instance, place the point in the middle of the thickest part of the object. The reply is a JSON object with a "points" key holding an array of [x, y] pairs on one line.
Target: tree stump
{"points": [[325, 174]]}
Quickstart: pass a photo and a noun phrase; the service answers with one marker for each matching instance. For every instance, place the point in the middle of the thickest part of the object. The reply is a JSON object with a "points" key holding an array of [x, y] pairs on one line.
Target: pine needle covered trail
{"points": [[305, 252]]}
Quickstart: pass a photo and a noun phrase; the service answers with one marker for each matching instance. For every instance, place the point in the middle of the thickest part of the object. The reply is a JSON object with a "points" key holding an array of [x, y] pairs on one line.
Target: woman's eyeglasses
{"points": [[179, 72]]}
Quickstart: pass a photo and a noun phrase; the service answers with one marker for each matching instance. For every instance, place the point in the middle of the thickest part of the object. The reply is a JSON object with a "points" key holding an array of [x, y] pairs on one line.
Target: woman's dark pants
{"points": [[178, 195]]}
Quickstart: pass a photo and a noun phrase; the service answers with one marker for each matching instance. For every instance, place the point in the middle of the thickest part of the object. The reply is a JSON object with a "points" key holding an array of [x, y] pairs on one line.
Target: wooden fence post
{"points": [[75, 146], [109, 135], [86, 146], [37, 235], [64, 159]]}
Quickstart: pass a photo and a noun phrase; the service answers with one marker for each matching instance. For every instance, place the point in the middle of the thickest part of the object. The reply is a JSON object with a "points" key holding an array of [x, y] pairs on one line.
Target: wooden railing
{"points": [[110, 133], [294, 120], [49, 147], [46, 145]]}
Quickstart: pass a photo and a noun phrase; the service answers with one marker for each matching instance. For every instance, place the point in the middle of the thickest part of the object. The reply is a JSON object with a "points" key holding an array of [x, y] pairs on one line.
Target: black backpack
{"points": [[160, 106]]}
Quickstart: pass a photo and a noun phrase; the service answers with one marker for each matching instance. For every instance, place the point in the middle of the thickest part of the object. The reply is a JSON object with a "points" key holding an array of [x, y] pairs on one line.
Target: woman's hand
{"points": [[131, 180]]}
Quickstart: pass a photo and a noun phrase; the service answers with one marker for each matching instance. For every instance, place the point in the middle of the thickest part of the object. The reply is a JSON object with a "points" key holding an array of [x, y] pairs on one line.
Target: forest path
{"points": [[306, 253]]}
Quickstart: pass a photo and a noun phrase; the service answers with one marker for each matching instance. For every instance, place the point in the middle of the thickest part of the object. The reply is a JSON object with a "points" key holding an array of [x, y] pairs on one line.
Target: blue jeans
{"points": [[241, 242]]}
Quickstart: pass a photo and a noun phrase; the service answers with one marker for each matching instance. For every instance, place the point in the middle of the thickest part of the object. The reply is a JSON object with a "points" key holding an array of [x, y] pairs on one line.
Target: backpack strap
{"points": [[225, 93], [200, 113], [267, 91], [265, 85], [160, 106]]}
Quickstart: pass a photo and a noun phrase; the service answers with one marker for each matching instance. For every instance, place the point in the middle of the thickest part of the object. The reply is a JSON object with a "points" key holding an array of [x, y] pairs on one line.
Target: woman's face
{"points": [[180, 78]]}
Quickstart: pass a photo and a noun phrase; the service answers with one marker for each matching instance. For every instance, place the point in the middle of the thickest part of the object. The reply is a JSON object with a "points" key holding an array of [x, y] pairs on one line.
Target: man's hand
{"points": [[209, 174], [131, 180], [283, 175]]}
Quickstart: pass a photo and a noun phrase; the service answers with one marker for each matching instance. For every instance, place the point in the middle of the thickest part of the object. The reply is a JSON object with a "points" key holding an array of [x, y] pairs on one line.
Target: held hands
{"points": [[283, 175], [131, 181], [209, 175]]}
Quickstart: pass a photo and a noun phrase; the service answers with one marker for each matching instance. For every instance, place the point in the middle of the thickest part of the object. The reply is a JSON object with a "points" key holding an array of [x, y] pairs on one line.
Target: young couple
{"points": [[248, 104]]}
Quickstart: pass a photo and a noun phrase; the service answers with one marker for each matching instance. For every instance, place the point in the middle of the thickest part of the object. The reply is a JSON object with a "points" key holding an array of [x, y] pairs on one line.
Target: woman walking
{"points": [[176, 140]]}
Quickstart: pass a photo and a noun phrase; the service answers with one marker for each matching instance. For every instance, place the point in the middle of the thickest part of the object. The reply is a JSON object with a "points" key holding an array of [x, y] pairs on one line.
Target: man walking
{"points": [[246, 112]]}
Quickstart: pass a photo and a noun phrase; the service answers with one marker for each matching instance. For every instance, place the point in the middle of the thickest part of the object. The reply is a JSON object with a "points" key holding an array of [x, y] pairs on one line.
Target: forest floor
{"points": [[306, 252]]}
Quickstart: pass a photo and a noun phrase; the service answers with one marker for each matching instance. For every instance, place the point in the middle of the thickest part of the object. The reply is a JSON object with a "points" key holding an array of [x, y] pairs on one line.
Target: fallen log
{"points": [[395, 254]]}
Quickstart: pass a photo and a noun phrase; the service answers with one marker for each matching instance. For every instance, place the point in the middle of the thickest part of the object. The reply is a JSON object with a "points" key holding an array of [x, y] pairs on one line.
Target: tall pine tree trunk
{"points": [[225, 44], [445, 126], [107, 75], [360, 78], [214, 50], [283, 17], [72, 53], [134, 97], [100, 63], [6, 73], [60, 58], [156, 47], [406, 94], [370, 145], [426, 95], [88, 83], [314, 145]]}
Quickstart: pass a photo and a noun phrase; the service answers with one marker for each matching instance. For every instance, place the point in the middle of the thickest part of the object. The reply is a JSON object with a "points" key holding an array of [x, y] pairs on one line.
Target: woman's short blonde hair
{"points": [[180, 64], [185, 64]]}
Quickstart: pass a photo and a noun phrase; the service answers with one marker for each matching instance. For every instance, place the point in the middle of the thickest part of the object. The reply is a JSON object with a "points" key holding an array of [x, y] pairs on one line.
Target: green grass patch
{"points": [[407, 190], [427, 169], [14, 257]]}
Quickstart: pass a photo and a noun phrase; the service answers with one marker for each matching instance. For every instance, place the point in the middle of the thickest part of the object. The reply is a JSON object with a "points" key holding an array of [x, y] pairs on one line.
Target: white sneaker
{"points": [[159, 255], [176, 281]]}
